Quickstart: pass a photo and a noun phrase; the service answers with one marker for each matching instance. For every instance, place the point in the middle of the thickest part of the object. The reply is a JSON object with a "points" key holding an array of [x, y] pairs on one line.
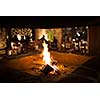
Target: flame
{"points": [[46, 54], [47, 58]]}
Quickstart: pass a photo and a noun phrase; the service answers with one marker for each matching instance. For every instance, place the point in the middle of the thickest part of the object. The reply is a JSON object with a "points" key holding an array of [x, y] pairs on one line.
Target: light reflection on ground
{"points": [[33, 64]]}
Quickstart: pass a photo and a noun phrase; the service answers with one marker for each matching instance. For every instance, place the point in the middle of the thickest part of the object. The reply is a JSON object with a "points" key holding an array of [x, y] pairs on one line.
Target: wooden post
{"points": [[94, 40]]}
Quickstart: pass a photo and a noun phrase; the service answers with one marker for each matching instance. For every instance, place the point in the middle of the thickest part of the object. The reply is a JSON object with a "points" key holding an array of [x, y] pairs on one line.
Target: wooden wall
{"points": [[94, 40]]}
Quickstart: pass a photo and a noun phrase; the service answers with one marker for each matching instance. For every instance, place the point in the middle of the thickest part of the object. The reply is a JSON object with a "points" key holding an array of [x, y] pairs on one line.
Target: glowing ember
{"points": [[15, 47], [46, 53]]}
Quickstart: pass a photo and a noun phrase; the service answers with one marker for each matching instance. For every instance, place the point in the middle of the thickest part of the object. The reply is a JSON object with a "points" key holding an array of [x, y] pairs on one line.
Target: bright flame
{"points": [[46, 54], [47, 58]]}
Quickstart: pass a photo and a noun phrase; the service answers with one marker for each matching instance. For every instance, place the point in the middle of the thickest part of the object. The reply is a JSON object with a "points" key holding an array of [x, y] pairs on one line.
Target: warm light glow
{"points": [[83, 42], [44, 33], [73, 40], [12, 45], [63, 45], [7, 36], [75, 27], [87, 27], [18, 42], [31, 40], [10, 52], [15, 47], [19, 37], [78, 34], [24, 38], [47, 58], [46, 54], [31, 35]]}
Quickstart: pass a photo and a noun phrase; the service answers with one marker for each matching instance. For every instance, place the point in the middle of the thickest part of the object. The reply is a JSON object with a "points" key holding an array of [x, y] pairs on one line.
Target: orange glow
{"points": [[47, 58], [43, 33], [10, 52], [19, 37], [12, 45], [46, 54]]}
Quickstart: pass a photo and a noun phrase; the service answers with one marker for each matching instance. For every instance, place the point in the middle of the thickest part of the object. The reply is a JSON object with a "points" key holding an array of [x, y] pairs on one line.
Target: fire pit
{"points": [[51, 69], [47, 64]]}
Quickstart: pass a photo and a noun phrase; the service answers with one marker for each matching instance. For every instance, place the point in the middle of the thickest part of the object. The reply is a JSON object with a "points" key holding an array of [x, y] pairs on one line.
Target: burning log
{"points": [[47, 69], [51, 68], [50, 65]]}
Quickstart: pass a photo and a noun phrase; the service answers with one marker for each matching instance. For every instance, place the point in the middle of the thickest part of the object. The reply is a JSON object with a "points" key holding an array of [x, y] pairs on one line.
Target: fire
{"points": [[46, 54], [47, 58]]}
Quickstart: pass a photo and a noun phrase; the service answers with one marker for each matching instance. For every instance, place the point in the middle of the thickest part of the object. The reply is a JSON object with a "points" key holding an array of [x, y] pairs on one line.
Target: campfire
{"points": [[50, 65]]}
